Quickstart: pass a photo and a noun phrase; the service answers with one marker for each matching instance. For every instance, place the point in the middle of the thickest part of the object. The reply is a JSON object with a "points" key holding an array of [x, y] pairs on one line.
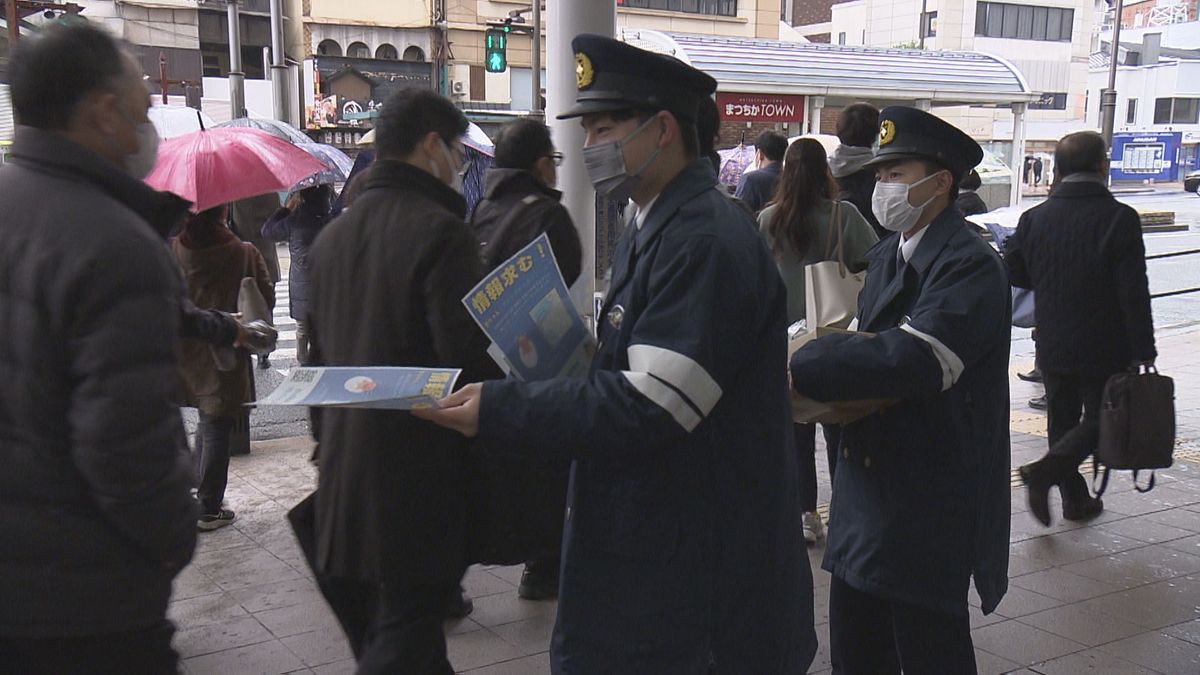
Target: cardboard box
{"points": [[806, 410]]}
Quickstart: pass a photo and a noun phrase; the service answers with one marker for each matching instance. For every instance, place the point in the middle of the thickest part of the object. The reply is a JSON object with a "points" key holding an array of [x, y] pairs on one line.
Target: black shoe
{"points": [[1037, 486], [1038, 403], [1034, 375], [215, 521], [264, 363], [538, 582], [459, 605], [1082, 509]]}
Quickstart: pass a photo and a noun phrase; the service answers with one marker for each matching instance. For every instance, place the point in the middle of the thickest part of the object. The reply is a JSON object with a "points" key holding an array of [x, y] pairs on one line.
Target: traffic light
{"points": [[496, 49]]}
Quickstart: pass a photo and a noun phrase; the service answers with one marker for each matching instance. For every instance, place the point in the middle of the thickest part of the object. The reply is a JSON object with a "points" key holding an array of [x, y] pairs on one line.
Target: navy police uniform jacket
{"points": [[683, 542], [921, 494]]}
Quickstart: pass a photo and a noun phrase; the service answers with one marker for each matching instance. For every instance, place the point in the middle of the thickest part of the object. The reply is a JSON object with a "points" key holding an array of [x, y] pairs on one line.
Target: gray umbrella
{"points": [[276, 128]]}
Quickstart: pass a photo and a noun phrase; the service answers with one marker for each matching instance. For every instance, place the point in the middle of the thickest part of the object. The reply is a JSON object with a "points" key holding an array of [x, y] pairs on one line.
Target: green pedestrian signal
{"points": [[496, 50]]}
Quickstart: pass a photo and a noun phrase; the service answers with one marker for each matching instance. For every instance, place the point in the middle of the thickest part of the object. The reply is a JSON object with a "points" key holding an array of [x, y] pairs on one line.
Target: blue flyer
{"points": [[524, 307], [365, 387]]}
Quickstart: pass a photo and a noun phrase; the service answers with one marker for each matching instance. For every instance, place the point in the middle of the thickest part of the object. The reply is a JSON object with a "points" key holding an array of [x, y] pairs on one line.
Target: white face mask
{"points": [[456, 174], [141, 163], [890, 205], [605, 164]]}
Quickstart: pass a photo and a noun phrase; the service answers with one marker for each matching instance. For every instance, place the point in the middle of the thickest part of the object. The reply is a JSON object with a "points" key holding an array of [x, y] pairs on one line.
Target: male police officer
{"points": [[921, 494], [682, 544]]}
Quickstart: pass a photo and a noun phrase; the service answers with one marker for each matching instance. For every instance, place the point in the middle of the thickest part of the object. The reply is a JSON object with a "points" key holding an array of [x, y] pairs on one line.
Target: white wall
{"points": [[176, 26], [1146, 84], [850, 18]]}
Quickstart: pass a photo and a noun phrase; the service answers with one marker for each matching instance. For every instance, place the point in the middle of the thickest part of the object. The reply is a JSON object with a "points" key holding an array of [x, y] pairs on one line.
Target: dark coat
{"points": [[515, 210], [388, 278], [300, 228], [757, 188], [921, 496], [248, 216], [683, 534], [214, 276], [969, 203], [858, 188], [1082, 253], [96, 517]]}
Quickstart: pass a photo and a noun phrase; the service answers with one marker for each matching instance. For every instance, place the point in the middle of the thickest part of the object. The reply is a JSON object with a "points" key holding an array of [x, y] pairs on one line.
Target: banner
{"points": [[760, 107]]}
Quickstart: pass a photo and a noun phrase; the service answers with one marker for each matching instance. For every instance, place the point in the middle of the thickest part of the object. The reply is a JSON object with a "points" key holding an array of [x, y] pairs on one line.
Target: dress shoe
{"points": [[539, 581], [1037, 486], [1084, 508], [459, 605], [1038, 403], [1034, 375]]}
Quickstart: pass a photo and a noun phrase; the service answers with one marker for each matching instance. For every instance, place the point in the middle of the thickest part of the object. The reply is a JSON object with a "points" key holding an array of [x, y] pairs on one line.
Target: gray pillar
{"points": [[1108, 96], [536, 58], [279, 70], [564, 20], [1018, 152], [818, 104], [237, 78]]}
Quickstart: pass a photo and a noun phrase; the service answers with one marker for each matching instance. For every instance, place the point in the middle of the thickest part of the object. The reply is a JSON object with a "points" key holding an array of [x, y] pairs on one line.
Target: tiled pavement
{"points": [[1120, 595]]}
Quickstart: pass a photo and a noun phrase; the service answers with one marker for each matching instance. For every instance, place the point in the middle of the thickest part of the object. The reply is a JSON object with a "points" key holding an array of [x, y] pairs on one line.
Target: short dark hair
{"points": [[411, 114], [687, 130], [522, 143], [1080, 152], [53, 71], [708, 125], [772, 144], [858, 125], [972, 181]]}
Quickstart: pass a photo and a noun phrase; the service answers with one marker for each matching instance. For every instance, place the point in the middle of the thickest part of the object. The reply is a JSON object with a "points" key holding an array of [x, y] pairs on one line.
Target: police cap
{"points": [[612, 75], [908, 133]]}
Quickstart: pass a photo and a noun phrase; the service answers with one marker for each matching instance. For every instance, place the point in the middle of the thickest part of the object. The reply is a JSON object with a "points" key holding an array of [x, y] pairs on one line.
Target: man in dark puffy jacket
{"points": [[96, 518], [520, 202]]}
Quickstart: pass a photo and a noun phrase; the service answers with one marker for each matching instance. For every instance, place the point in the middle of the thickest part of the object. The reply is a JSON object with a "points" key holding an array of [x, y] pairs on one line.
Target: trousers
{"points": [[806, 448], [211, 457], [869, 635], [145, 651], [1072, 438]]}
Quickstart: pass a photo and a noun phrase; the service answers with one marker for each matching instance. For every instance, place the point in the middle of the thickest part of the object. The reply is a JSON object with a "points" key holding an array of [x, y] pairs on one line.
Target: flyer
{"points": [[524, 307], [365, 387]]}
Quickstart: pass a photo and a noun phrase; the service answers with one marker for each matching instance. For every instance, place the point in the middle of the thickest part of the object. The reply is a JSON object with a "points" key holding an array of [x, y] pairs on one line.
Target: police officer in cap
{"points": [[683, 548], [921, 493]]}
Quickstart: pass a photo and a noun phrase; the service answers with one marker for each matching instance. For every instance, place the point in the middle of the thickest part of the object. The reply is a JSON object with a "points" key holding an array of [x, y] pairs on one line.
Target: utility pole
{"points": [[279, 71], [921, 22], [237, 78], [1108, 98], [536, 58], [14, 23]]}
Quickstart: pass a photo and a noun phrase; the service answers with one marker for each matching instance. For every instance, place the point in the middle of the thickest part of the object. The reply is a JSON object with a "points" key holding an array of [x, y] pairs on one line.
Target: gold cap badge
{"points": [[887, 132], [584, 73]]}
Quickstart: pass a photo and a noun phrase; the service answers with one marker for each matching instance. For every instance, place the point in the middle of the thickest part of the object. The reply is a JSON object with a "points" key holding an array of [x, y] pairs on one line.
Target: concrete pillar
{"points": [[237, 78], [564, 20], [1018, 152], [923, 104], [818, 104], [279, 69]]}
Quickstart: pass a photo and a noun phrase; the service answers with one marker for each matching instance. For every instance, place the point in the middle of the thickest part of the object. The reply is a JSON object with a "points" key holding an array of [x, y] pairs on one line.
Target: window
{"points": [[387, 52], [1131, 111], [329, 48], [414, 53], [710, 7], [1177, 110], [842, 38], [929, 24], [1023, 22], [211, 63], [358, 50]]}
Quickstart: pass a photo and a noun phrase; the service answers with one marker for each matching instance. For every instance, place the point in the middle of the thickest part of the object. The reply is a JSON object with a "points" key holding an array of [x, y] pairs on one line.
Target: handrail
{"points": [[1173, 254]]}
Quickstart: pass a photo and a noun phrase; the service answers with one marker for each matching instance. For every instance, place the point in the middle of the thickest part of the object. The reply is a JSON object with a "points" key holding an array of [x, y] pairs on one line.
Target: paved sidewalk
{"points": [[1119, 595]]}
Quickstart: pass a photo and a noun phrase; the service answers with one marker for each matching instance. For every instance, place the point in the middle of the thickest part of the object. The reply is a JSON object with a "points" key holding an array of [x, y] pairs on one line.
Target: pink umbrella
{"points": [[218, 166]]}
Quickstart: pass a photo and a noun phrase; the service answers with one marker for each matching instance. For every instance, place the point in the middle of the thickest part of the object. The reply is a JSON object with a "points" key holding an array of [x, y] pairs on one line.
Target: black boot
{"points": [[1077, 502], [539, 581], [459, 605], [1038, 481]]}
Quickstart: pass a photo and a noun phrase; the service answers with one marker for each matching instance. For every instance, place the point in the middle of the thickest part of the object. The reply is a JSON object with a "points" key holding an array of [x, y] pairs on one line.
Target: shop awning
{"points": [[859, 73]]}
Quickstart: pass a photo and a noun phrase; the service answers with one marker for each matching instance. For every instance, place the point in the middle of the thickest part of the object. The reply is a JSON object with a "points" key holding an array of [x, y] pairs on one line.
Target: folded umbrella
{"points": [[219, 166]]}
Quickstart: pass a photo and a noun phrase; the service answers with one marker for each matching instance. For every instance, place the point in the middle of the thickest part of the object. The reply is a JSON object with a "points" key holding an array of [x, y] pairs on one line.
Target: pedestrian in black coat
{"points": [[388, 278], [969, 202], [97, 518], [298, 223], [757, 188], [1082, 253]]}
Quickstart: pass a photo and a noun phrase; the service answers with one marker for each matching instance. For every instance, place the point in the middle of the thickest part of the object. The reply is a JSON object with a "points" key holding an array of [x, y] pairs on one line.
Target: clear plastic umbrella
{"points": [[276, 128], [176, 120]]}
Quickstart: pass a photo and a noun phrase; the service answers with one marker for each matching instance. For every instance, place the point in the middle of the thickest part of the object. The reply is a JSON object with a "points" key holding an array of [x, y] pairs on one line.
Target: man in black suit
{"points": [[1082, 253], [757, 188]]}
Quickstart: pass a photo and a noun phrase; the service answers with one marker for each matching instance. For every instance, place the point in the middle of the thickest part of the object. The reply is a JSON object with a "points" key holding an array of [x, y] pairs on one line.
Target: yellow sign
{"points": [[584, 73], [887, 132]]}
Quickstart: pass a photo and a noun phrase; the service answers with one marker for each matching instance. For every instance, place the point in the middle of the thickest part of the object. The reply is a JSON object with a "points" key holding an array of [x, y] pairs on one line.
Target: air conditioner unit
{"points": [[458, 88]]}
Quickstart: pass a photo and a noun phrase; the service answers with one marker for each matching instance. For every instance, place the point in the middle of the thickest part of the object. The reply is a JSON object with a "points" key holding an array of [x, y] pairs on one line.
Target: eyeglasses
{"points": [[557, 157]]}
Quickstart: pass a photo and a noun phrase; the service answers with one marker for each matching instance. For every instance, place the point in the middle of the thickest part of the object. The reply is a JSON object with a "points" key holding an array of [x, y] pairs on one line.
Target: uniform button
{"points": [[846, 453], [568, 513], [867, 462]]}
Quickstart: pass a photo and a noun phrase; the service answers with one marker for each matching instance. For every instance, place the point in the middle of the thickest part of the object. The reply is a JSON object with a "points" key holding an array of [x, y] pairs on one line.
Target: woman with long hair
{"points": [[214, 262], [799, 226]]}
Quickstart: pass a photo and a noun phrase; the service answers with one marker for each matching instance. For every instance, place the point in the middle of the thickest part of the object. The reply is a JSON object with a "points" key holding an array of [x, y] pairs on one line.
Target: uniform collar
{"points": [[697, 177], [934, 237], [643, 212], [909, 246]]}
